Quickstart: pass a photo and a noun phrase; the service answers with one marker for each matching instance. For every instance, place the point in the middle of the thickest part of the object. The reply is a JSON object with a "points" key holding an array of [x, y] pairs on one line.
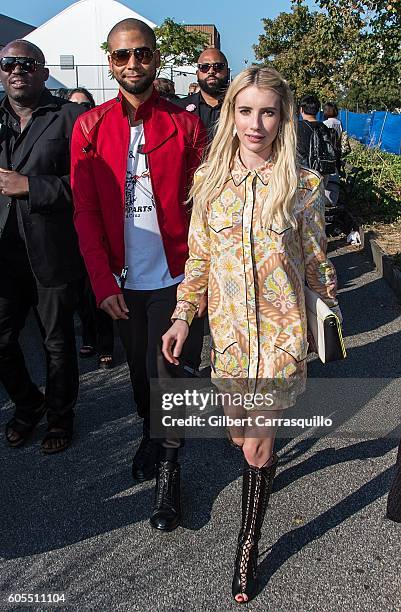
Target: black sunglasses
{"points": [[27, 64], [217, 67], [120, 57]]}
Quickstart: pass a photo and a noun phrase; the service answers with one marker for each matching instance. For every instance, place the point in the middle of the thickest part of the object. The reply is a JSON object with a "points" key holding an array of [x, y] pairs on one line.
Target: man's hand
{"points": [[202, 306], [13, 184], [115, 306], [176, 335]]}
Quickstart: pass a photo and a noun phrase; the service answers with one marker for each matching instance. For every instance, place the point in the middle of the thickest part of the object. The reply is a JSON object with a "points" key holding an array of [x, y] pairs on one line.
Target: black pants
{"points": [[97, 326], [54, 310], [149, 318]]}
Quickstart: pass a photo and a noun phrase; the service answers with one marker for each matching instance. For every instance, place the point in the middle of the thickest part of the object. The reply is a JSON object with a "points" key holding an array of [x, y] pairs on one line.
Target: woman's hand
{"points": [[337, 311], [312, 348], [176, 335]]}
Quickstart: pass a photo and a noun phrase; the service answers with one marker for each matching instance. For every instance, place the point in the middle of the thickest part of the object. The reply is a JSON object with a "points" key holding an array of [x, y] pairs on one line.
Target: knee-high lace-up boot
{"points": [[256, 488]]}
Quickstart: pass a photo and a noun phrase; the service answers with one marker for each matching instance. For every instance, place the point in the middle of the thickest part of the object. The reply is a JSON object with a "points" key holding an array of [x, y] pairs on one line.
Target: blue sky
{"points": [[239, 23]]}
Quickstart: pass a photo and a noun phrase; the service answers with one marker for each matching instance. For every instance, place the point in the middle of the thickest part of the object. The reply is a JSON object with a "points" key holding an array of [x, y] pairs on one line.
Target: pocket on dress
{"points": [[289, 375], [279, 228], [220, 221], [221, 344], [296, 356], [225, 362], [221, 233]]}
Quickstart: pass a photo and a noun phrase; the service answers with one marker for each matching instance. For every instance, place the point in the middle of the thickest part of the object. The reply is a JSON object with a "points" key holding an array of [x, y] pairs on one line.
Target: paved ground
{"points": [[74, 524]]}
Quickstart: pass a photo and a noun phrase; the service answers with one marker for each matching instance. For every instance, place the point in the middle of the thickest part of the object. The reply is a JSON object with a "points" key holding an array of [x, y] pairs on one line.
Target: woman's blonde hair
{"points": [[214, 172]]}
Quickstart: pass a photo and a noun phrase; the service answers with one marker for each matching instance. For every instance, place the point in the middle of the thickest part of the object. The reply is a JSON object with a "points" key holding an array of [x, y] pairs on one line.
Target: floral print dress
{"points": [[255, 278]]}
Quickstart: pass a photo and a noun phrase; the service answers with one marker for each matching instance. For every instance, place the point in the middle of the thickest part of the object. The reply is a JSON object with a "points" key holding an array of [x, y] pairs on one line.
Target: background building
{"points": [[10, 29], [210, 30], [71, 42]]}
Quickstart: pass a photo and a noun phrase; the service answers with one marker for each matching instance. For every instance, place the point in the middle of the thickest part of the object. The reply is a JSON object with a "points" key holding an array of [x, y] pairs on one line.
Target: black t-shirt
{"points": [[209, 115]]}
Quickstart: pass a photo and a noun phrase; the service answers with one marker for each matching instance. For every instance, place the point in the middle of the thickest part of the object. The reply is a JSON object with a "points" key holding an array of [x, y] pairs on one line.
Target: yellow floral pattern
{"points": [[255, 278]]}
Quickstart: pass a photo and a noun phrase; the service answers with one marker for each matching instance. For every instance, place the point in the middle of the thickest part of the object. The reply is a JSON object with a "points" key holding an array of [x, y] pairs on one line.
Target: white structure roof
{"points": [[79, 30]]}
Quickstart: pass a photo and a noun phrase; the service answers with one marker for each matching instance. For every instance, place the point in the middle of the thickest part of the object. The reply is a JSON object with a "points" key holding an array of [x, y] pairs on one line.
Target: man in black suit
{"points": [[39, 256], [213, 76]]}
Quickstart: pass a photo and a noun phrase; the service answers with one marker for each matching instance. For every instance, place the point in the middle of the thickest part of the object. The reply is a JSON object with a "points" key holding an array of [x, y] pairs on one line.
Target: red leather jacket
{"points": [[174, 140]]}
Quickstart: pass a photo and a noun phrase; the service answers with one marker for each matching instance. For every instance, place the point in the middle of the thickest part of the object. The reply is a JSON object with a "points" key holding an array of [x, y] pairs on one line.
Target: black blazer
{"points": [[47, 212]]}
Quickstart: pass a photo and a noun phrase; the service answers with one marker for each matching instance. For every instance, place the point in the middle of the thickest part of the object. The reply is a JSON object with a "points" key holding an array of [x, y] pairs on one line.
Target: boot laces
{"points": [[166, 479], [245, 560]]}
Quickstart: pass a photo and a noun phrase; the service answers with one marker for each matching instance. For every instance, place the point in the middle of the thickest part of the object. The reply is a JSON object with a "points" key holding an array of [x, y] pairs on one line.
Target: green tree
{"points": [[308, 48], [349, 51], [374, 70], [178, 46]]}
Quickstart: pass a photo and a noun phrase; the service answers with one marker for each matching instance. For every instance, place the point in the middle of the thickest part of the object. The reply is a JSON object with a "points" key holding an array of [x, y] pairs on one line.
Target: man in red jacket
{"points": [[133, 160]]}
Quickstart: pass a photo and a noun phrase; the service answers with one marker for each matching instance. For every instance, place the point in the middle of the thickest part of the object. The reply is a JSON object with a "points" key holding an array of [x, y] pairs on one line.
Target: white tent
{"points": [[78, 31]]}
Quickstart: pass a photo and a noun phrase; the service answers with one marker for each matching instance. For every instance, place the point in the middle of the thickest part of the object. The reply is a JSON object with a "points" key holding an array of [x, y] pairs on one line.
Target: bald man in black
{"points": [[213, 77]]}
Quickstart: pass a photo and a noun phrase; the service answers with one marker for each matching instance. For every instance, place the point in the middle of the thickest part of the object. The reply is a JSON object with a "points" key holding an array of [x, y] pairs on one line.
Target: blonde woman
{"points": [[257, 235]]}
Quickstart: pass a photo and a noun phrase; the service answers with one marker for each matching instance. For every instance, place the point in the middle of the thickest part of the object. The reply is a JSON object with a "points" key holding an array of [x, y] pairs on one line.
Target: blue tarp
{"points": [[380, 128], [391, 136], [357, 125], [377, 128]]}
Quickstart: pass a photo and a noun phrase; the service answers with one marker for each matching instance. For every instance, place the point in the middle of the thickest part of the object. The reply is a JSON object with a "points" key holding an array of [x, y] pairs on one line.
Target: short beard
{"points": [[217, 90], [25, 99], [137, 88], [20, 96]]}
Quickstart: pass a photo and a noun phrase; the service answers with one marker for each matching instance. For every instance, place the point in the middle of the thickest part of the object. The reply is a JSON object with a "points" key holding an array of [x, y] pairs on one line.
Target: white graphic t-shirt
{"points": [[144, 250]]}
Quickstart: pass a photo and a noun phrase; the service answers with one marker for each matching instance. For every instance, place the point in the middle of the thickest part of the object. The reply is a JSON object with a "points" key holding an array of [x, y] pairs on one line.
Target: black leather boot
{"points": [[146, 458], [166, 514], [256, 489]]}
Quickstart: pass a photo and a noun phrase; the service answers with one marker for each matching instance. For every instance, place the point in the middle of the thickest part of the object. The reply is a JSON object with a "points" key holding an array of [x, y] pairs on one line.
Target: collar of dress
{"points": [[239, 173]]}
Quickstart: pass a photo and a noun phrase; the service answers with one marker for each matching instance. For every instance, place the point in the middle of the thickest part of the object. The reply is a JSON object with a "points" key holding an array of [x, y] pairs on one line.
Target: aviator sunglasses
{"points": [[120, 57], [27, 64], [217, 67]]}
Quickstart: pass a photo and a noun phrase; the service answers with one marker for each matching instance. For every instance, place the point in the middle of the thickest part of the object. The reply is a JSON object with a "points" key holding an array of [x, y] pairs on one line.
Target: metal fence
{"points": [[96, 78]]}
